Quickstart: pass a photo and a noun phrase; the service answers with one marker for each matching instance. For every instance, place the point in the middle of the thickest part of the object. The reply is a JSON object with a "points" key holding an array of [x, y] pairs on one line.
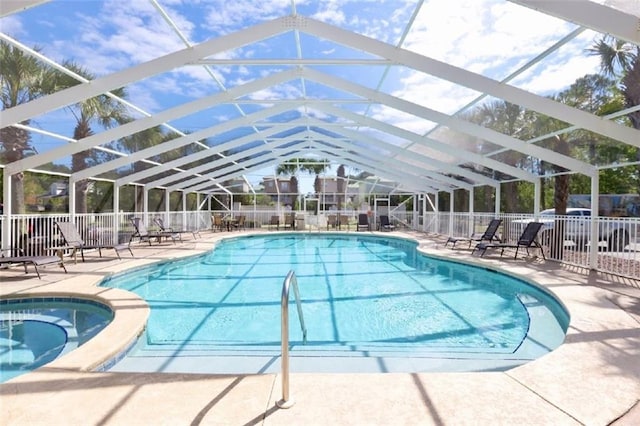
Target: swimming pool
{"points": [[36, 331], [362, 297]]}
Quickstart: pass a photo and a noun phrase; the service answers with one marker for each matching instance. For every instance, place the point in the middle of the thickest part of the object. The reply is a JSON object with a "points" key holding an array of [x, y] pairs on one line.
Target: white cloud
{"points": [[12, 25], [488, 37], [223, 16]]}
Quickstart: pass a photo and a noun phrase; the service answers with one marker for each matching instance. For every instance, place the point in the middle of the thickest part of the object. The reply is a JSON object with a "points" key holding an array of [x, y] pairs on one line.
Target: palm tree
{"points": [[287, 169], [621, 60], [22, 79], [294, 190], [291, 168], [103, 110]]}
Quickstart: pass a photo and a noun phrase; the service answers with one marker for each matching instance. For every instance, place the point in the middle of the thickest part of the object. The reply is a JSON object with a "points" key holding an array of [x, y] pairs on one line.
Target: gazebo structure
{"points": [[388, 96]]}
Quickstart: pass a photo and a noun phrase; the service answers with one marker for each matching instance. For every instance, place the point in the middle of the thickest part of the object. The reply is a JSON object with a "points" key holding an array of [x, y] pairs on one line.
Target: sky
{"points": [[490, 37]]}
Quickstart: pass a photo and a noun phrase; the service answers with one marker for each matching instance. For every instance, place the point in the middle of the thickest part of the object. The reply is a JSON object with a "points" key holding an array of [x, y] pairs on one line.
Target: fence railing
{"points": [[615, 245], [614, 241]]}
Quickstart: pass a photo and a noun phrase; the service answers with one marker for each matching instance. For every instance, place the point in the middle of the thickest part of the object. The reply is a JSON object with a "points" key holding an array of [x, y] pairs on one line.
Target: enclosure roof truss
{"points": [[332, 126]]}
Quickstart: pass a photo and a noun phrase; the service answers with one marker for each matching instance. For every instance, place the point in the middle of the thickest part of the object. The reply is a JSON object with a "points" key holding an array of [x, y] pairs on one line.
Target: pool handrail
{"points": [[290, 280]]}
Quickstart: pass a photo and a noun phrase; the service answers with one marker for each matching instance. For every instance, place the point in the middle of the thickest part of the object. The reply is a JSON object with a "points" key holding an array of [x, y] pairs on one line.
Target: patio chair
{"points": [[290, 220], [385, 225], [73, 239], [343, 220], [22, 260], [488, 235], [217, 224], [275, 221], [363, 222], [526, 240], [332, 221], [240, 222], [160, 224], [144, 234]]}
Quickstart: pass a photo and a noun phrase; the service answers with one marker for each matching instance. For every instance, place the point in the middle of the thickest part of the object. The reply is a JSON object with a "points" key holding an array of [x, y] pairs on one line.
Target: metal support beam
{"points": [[601, 18], [142, 71]]}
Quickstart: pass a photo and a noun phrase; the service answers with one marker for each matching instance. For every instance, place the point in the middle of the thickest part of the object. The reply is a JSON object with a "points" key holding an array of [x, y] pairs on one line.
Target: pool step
{"points": [[258, 359], [247, 363]]}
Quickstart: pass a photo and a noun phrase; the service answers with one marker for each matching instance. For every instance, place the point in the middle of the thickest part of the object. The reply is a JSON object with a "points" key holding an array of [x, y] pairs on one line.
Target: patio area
{"points": [[592, 379]]}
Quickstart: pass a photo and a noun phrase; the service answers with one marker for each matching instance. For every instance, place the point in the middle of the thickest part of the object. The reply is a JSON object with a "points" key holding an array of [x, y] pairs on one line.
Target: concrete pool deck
{"points": [[592, 379]]}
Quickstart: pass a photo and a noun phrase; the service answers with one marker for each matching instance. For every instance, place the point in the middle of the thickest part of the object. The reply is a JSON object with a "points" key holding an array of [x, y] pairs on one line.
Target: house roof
{"points": [[371, 85]]}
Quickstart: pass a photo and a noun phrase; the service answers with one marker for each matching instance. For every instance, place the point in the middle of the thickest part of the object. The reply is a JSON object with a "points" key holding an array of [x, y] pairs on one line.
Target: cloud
{"points": [[223, 16], [492, 38], [12, 25]]}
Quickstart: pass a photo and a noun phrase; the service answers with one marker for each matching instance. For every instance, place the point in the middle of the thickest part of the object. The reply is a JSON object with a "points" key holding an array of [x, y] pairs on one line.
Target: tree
{"points": [[290, 169], [295, 191], [22, 79], [621, 60], [134, 143], [512, 120], [103, 110], [293, 166], [588, 93]]}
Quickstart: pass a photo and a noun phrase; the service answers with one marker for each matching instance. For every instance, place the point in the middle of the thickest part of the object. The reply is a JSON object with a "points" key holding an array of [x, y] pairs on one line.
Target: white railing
{"points": [[616, 245], [616, 250]]}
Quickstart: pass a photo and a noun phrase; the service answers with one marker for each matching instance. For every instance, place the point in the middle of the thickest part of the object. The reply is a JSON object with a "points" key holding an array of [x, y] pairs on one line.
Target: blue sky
{"points": [[490, 37]]}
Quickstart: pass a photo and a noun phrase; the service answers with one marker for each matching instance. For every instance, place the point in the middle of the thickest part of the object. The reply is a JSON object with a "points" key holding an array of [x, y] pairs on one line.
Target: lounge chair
{"points": [[385, 225], [488, 235], [363, 222], [526, 240], [21, 260], [73, 239], [160, 224], [144, 234]]}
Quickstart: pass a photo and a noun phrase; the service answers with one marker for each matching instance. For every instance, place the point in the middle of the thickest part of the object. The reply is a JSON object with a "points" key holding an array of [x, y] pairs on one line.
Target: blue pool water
{"points": [[35, 331], [359, 294]]}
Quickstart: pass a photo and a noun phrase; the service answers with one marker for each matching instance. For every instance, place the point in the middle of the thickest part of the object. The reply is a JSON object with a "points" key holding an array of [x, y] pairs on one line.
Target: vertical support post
{"points": [[498, 200], [184, 210], [451, 211], [424, 212], [72, 199], [472, 228], [167, 202], [116, 212], [537, 192], [595, 209], [437, 205], [414, 220], [197, 213], [6, 223], [145, 203]]}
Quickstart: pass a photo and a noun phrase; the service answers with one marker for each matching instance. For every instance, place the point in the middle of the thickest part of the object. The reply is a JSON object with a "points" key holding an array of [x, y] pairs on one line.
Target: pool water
{"points": [[359, 293], [36, 331]]}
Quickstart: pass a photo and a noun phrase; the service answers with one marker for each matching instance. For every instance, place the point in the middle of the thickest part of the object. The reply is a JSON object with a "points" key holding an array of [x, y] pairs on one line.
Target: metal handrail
{"points": [[290, 280]]}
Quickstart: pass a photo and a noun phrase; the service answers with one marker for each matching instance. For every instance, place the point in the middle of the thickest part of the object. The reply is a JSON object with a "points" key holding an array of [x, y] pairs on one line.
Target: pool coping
{"points": [[569, 384]]}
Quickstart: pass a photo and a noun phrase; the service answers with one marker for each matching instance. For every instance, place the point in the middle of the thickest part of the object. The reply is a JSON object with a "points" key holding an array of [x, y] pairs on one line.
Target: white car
{"points": [[614, 232]]}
